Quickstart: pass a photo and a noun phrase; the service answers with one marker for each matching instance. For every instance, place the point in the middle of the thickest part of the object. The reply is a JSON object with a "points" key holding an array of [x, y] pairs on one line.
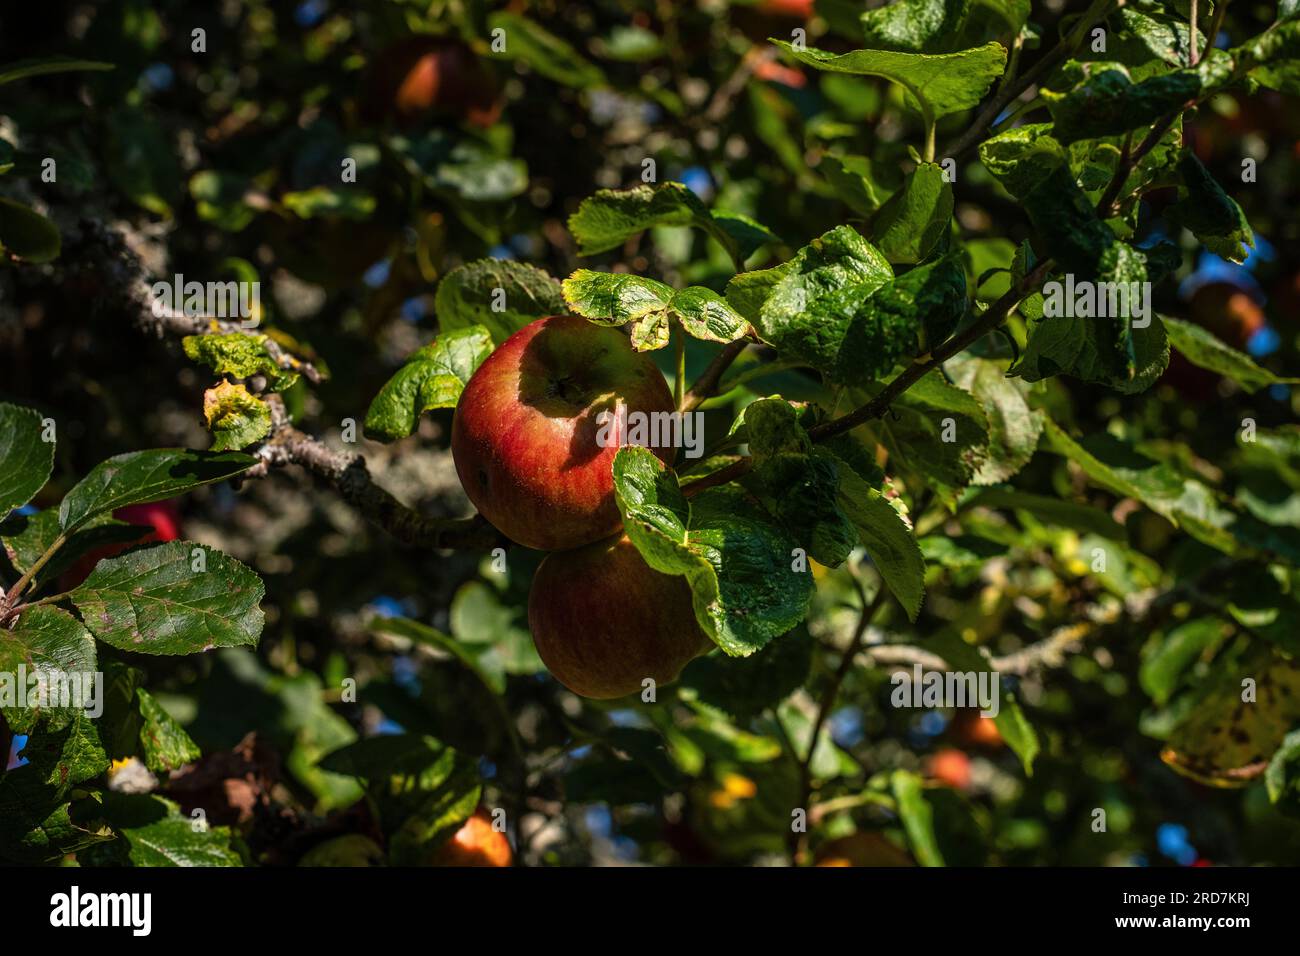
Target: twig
{"points": [[1193, 54], [100, 250], [827, 704], [347, 474], [1057, 55], [705, 386]]}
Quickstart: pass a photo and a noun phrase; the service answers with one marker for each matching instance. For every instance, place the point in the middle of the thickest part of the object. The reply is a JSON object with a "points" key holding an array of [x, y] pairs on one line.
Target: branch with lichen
{"points": [[101, 252]]}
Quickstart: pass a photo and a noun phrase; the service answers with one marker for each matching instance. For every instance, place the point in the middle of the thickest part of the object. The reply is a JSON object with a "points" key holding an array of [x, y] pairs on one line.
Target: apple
{"points": [[163, 517], [476, 843], [798, 9], [862, 848], [525, 432], [426, 75], [973, 729], [603, 620], [950, 767]]}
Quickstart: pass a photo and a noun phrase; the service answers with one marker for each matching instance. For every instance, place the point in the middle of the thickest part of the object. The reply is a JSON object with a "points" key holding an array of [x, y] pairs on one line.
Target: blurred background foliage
{"points": [[225, 163]]}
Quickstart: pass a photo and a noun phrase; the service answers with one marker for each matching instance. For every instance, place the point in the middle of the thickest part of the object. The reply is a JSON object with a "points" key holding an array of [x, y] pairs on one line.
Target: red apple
{"points": [[603, 620], [798, 9], [525, 432], [426, 75], [476, 843], [164, 517], [950, 767]]}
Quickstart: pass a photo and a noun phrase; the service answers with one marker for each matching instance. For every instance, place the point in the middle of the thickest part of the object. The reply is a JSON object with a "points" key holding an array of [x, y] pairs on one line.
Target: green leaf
{"points": [[744, 687], [916, 26], [165, 744], [501, 295], [613, 299], [50, 642], [1089, 349], [1282, 778], [153, 831], [1226, 742], [1011, 721], [58, 761], [940, 83], [1093, 99], [433, 377], [911, 223], [43, 66], [139, 477], [27, 537], [142, 160], [1200, 347], [528, 42], [479, 660], [822, 308], [154, 601], [26, 460], [235, 416], [27, 234], [797, 482], [1165, 664], [239, 355], [219, 197], [736, 559], [1209, 213], [460, 168], [888, 539], [341, 202], [1115, 465], [610, 217], [917, 817], [1013, 426], [425, 784], [936, 431], [854, 180]]}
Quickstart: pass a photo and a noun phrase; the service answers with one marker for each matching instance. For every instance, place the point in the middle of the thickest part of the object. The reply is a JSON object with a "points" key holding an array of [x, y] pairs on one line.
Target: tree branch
{"points": [[347, 474], [707, 384], [101, 251], [1011, 92]]}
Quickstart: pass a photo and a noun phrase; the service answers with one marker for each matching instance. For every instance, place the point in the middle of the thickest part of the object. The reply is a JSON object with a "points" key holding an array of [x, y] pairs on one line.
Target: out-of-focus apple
{"points": [[427, 75], [862, 848], [476, 843], [163, 517], [950, 767]]}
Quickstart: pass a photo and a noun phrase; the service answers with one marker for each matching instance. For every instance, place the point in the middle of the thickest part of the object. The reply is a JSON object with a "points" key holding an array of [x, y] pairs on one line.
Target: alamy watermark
{"points": [[218, 300], [41, 689], [621, 428], [1098, 300], [947, 689]]}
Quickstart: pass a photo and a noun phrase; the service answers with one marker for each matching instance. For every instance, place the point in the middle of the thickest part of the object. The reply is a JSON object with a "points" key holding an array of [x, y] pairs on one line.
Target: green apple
{"points": [[533, 451], [603, 620]]}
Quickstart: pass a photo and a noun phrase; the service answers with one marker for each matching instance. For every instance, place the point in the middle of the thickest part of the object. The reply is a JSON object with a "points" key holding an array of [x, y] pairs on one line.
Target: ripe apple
{"points": [[950, 767], [164, 517], [524, 435], [971, 728], [426, 75], [476, 843], [798, 9], [862, 848], [603, 620]]}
